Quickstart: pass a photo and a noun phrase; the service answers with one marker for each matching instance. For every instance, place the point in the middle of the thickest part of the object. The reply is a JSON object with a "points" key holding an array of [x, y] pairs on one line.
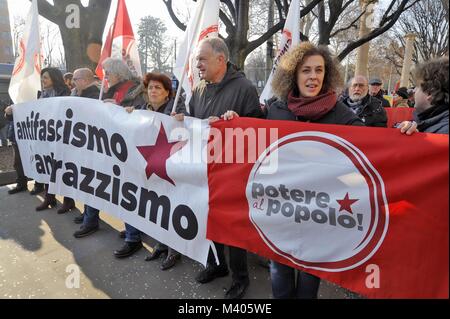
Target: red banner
{"points": [[397, 115], [335, 201]]}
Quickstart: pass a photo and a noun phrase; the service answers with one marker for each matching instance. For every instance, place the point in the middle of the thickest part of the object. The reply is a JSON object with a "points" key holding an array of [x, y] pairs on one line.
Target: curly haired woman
{"points": [[305, 85]]}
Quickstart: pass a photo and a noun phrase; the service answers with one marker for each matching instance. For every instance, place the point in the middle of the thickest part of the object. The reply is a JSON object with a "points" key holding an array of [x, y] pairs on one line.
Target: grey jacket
{"points": [[434, 120]]}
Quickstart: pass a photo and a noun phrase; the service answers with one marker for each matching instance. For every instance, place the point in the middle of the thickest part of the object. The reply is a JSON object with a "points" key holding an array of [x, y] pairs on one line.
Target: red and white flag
{"points": [[120, 43], [26, 77], [289, 38], [338, 202], [204, 24]]}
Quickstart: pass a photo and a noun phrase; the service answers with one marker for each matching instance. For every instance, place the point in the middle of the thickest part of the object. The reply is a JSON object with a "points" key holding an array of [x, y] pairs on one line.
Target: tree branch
{"points": [[307, 9], [227, 22], [375, 33], [230, 7], [352, 24], [47, 10], [173, 16], [266, 36]]}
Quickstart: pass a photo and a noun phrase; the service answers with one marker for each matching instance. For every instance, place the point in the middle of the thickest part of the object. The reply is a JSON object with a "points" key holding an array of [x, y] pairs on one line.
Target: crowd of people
{"points": [[307, 87]]}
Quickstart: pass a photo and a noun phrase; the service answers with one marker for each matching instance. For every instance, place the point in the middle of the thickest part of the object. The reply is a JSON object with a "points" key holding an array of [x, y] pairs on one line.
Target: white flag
{"points": [[204, 24], [290, 38], [26, 77]]}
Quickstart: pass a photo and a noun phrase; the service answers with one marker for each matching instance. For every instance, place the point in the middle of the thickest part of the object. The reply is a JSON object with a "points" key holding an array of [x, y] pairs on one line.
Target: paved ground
{"points": [[36, 249], [6, 158]]}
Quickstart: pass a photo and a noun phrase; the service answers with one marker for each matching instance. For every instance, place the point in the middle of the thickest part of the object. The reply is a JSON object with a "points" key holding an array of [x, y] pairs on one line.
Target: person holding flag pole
{"points": [[120, 43], [119, 65], [221, 90], [24, 87]]}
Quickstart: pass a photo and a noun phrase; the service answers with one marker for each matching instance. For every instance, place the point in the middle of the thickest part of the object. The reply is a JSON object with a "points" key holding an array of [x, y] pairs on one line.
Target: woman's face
{"points": [[46, 81], [157, 94], [310, 76], [112, 79]]}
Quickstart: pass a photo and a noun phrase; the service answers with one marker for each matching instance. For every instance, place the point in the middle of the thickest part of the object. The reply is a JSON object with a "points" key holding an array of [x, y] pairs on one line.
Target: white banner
{"points": [[140, 167], [289, 39]]}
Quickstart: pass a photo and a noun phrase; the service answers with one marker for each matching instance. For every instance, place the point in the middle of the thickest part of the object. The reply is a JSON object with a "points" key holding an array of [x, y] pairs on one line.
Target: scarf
{"points": [[312, 108]]}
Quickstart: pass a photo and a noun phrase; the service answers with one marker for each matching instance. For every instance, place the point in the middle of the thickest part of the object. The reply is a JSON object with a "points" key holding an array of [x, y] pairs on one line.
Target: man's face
{"points": [[207, 62], [79, 81], [358, 89], [374, 89]]}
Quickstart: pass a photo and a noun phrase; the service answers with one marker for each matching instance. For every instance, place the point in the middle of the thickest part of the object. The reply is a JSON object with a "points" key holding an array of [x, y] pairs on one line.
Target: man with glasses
{"points": [[368, 108]]}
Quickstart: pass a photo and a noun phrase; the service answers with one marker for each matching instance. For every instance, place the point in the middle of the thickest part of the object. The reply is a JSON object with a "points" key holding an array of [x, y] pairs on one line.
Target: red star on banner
{"points": [[158, 154], [346, 203]]}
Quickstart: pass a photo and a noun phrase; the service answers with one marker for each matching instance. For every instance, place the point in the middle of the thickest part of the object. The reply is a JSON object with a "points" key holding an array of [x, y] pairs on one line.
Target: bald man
{"points": [[85, 83], [368, 108]]}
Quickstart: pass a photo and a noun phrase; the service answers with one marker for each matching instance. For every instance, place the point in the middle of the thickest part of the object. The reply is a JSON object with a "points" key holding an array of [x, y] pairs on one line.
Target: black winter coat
{"points": [[233, 93], [372, 112], [91, 92]]}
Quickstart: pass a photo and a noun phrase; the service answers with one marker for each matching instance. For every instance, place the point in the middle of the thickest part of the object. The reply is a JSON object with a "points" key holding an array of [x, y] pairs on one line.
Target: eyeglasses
{"points": [[361, 85]]}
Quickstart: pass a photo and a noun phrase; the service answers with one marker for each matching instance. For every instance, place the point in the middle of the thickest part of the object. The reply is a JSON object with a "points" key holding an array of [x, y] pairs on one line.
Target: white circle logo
{"points": [[325, 208]]}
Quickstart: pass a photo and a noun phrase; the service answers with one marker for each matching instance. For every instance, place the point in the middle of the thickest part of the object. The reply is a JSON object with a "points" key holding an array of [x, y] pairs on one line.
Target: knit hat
{"points": [[402, 92]]}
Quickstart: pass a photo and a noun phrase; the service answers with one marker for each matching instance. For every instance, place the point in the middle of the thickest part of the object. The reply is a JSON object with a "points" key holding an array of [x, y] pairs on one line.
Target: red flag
{"points": [[343, 205], [120, 43]]}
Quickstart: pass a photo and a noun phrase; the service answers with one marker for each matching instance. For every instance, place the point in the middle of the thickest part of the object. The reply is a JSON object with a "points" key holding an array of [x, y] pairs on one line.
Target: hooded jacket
{"points": [[233, 93]]}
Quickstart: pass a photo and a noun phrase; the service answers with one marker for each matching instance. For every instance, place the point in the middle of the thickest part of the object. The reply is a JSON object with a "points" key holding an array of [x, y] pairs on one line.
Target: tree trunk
{"points": [[239, 39], [82, 45]]}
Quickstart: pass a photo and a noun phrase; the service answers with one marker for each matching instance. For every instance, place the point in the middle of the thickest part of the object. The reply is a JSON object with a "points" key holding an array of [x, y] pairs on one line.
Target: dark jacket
{"points": [[371, 112], [127, 93], [433, 120], [233, 93], [340, 114], [3, 120], [63, 91], [91, 92], [167, 108], [384, 102]]}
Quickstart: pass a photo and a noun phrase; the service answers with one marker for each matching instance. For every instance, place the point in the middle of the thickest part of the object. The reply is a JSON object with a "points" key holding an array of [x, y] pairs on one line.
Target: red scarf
{"points": [[312, 108]]}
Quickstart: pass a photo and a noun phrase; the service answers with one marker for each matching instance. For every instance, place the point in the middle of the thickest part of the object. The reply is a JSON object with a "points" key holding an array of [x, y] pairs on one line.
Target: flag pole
{"points": [[186, 62], [102, 89]]}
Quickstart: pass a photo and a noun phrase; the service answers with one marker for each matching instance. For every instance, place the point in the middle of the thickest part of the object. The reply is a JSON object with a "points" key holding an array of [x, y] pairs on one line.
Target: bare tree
{"points": [[337, 7], [445, 6], [426, 19], [82, 42], [235, 16]]}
